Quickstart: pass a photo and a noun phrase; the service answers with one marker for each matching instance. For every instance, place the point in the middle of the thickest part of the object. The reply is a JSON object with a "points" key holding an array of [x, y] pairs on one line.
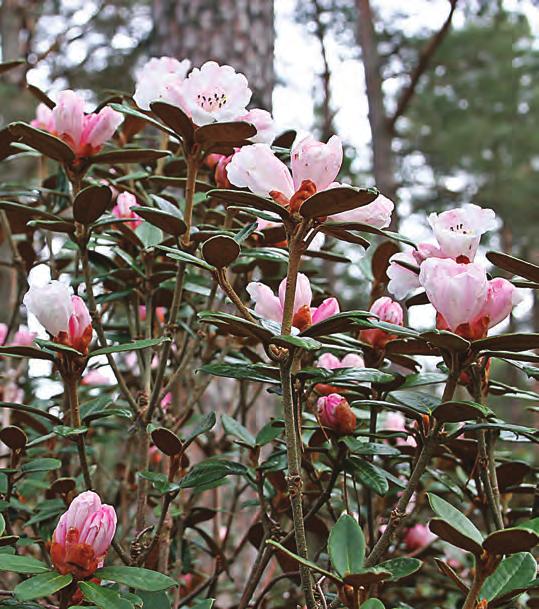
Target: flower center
{"points": [[212, 101], [460, 228]]}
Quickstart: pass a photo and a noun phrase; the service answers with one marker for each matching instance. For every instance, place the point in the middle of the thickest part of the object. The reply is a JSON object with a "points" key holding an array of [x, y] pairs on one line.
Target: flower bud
{"points": [[335, 412], [83, 536], [387, 310]]}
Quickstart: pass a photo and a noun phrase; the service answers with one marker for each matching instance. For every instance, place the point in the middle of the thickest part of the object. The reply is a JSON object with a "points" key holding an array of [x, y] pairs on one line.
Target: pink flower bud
{"points": [[85, 134], [316, 161], [221, 176], [387, 310], [44, 118], [335, 412], [418, 537], [330, 362], [3, 333], [502, 296], [95, 377], [257, 168], [83, 536], [97, 130], [263, 121], [23, 337], [52, 306], [65, 317], [271, 307], [80, 326], [124, 202], [377, 214]]}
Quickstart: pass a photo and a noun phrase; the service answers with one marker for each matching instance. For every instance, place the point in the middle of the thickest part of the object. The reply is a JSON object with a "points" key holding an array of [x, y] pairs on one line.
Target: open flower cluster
{"points": [[466, 301]]}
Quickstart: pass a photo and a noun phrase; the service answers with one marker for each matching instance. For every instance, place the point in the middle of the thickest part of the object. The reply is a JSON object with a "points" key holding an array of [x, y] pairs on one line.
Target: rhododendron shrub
{"points": [[195, 412]]}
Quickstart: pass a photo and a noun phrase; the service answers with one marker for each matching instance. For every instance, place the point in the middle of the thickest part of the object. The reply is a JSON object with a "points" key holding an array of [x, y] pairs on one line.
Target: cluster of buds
{"points": [[466, 301]]}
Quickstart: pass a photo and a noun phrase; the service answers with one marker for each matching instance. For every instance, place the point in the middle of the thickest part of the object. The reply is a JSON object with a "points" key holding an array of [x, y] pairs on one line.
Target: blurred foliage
{"points": [[474, 119]]}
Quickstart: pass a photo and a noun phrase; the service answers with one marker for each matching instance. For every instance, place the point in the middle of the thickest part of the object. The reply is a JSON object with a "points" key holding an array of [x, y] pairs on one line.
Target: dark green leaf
{"points": [[42, 585], [41, 465], [134, 346], [346, 546], [450, 514], [136, 577], [236, 429], [303, 561], [91, 203], [22, 564], [513, 573], [104, 598], [207, 472]]}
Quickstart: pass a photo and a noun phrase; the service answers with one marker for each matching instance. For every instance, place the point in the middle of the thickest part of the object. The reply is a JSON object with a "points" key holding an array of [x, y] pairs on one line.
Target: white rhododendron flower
{"points": [[157, 78], [458, 231], [52, 306], [213, 93]]}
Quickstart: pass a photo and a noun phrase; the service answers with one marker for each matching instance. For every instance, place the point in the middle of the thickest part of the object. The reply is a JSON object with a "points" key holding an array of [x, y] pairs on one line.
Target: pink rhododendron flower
{"points": [[269, 306], [257, 168], [160, 313], [377, 214], [335, 412], [458, 231], [95, 377], [396, 421], [265, 126], [467, 303], [124, 202], [166, 401], [44, 118], [84, 133], [23, 337], [156, 79], [418, 537], [212, 93], [387, 310], [315, 166], [316, 161], [220, 175], [83, 536], [65, 317], [331, 362], [457, 291], [402, 281], [3, 333]]}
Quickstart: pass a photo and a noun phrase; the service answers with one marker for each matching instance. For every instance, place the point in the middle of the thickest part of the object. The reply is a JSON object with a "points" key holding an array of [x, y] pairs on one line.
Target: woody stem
{"points": [[293, 438], [71, 388]]}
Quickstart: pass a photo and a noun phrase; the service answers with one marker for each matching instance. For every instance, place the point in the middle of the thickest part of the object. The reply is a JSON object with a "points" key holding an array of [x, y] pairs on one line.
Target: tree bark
{"points": [[237, 32], [383, 158]]}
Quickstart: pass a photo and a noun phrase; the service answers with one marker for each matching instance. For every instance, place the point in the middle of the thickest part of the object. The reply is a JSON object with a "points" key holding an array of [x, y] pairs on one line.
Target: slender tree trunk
{"points": [[237, 32], [383, 158]]}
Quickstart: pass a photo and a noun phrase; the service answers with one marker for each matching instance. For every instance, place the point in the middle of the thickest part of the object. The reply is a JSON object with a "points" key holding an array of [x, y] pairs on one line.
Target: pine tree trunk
{"points": [[383, 161], [237, 32]]}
